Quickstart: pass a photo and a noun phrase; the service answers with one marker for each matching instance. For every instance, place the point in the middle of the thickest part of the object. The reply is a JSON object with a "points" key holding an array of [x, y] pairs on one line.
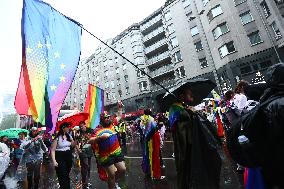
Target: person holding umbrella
{"points": [[197, 161]]}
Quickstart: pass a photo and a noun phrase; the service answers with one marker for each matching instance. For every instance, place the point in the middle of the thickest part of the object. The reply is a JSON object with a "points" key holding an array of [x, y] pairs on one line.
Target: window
{"points": [[168, 16], [120, 93], [96, 68], [137, 48], [171, 28], [139, 60], [185, 3], [124, 66], [113, 96], [117, 70], [177, 57], [276, 30], [216, 11], [254, 38], [105, 63], [127, 90], [108, 96], [106, 84], [220, 30], [205, 2], [203, 63], [116, 60], [97, 78], [246, 18], [237, 2], [140, 73], [112, 84], [142, 85], [265, 8], [245, 69], [174, 42], [126, 78], [198, 46], [180, 72], [226, 49], [118, 81], [106, 73], [194, 31]]}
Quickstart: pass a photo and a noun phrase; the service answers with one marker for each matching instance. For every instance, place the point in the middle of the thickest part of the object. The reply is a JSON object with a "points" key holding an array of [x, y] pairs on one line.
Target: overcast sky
{"points": [[104, 18]]}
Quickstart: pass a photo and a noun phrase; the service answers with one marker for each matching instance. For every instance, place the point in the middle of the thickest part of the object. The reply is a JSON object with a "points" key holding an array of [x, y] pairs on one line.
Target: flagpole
{"points": [[80, 25]]}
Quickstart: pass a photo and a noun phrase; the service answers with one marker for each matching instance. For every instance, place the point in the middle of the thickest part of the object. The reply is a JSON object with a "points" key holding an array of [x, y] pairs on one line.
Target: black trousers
{"points": [[33, 174], [64, 160], [85, 170]]}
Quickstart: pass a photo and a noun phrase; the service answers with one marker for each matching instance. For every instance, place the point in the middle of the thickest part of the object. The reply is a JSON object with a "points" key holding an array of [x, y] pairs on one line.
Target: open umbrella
{"points": [[200, 88], [12, 132], [255, 91], [73, 119]]}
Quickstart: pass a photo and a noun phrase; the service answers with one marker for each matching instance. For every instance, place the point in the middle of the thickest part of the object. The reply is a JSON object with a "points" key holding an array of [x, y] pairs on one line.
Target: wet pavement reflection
{"points": [[134, 178]]}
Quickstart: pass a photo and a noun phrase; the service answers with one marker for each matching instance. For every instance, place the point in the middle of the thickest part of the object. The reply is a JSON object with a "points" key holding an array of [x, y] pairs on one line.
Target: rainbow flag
{"points": [[94, 105], [51, 45]]}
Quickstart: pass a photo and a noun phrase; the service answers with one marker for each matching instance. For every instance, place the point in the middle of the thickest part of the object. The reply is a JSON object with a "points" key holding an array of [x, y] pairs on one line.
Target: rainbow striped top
{"points": [[109, 148]]}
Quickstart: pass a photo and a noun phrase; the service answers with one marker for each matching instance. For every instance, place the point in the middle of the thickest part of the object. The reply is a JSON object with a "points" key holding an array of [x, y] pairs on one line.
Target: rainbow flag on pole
{"points": [[94, 105], [51, 47]]}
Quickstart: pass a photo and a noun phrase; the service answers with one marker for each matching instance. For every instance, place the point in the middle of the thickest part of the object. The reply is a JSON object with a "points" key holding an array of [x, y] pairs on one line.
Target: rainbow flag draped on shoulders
{"points": [[174, 114], [151, 152], [94, 105], [51, 46]]}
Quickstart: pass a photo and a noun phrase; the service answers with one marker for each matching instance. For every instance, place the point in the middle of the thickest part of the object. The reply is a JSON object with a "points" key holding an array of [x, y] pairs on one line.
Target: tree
{"points": [[8, 121]]}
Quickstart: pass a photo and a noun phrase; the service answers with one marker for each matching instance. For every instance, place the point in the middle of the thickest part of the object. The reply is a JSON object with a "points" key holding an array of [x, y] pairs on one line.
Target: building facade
{"points": [[224, 41]]}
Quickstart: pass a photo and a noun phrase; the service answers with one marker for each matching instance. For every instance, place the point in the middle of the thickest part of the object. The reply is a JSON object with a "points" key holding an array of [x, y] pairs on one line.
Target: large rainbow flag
{"points": [[51, 45], [94, 105]]}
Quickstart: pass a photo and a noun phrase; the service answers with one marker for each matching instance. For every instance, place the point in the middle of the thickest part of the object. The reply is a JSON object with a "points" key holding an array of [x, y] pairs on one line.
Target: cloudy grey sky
{"points": [[104, 18]]}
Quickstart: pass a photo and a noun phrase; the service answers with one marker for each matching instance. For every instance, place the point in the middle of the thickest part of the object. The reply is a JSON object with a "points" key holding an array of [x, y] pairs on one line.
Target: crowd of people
{"points": [[197, 142]]}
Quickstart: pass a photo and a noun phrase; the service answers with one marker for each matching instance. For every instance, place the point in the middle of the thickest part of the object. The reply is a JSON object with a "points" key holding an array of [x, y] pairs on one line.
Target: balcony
{"points": [[159, 58], [154, 33], [161, 71], [165, 83], [151, 22], [156, 46]]}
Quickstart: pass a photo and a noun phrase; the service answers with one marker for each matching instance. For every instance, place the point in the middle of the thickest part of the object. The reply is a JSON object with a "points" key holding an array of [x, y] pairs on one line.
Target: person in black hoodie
{"points": [[273, 157]]}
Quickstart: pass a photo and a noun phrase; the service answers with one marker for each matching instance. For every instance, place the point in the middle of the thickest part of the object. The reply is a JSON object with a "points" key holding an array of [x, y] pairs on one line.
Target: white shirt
{"points": [[63, 144], [240, 101]]}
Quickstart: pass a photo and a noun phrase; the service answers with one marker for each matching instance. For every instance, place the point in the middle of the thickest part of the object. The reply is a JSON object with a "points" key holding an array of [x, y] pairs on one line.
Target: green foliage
{"points": [[8, 121]]}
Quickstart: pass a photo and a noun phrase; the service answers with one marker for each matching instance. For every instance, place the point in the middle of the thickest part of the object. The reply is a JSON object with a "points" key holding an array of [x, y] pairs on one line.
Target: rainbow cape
{"points": [[94, 105]]}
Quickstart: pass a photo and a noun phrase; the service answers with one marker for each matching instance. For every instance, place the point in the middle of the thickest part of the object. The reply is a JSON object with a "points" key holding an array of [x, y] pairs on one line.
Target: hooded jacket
{"points": [[273, 165]]}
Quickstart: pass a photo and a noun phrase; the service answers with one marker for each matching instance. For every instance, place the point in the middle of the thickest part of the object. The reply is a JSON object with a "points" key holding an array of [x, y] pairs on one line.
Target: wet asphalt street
{"points": [[134, 178]]}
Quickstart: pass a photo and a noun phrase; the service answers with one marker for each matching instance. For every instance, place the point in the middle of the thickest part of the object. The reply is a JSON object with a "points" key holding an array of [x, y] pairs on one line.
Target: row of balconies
{"points": [[159, 58], [165, 83], [155, 46], [162, 70], [154, 33], [151, 22]]}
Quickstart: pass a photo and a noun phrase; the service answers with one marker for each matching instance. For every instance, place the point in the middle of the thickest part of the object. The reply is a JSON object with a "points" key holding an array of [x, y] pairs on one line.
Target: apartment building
{"points": [[224, 41]]}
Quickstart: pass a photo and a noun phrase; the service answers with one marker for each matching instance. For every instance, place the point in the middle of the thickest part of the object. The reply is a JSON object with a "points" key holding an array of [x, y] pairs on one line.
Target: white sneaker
{"points": [[117, 186]]}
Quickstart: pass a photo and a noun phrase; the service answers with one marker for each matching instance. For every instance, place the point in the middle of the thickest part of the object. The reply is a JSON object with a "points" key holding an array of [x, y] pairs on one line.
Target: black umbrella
{"points": [[200, 89]]}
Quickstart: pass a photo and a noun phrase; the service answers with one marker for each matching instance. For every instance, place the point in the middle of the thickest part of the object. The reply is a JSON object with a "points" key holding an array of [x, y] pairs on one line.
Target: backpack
{"points": [[246, 138]]}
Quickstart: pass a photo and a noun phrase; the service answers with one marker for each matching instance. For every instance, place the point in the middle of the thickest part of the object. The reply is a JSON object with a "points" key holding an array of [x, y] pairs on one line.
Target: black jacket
{"points": [[273, 165]]}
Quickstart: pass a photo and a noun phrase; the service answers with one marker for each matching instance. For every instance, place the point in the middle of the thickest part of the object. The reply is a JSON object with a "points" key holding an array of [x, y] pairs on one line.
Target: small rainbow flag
{"points": [[94, 105]]}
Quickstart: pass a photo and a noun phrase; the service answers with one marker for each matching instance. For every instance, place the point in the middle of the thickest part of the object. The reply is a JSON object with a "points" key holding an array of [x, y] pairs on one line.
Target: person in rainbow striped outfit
{"points": [[107, 150]]}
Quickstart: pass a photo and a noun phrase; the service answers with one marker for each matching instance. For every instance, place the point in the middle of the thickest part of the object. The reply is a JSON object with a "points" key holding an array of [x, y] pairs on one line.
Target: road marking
{"points": [[140, 157]]}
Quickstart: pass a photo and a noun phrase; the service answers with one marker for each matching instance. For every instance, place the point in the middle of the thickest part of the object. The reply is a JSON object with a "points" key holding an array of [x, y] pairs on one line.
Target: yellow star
{"points": [[48, 45], [53, 87], [56, 54], [62, 79], [29, 50], [39, 45], [62, 66]]}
